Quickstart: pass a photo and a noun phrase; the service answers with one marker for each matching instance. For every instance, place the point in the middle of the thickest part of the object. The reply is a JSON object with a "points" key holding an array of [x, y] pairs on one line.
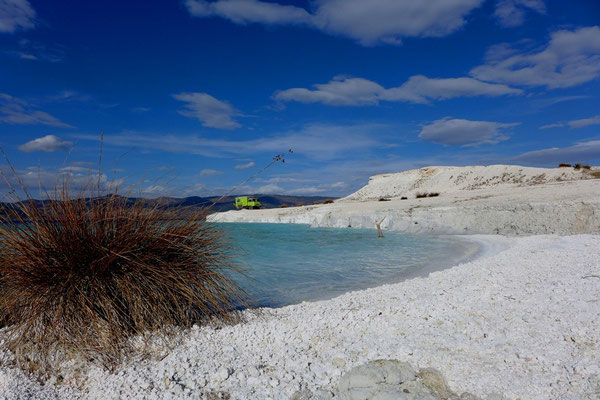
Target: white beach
{"points": [[519, 322]]}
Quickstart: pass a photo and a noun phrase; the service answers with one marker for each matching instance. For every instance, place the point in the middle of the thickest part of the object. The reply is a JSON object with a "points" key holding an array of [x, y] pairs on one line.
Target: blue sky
{"points": [[195, 96]]}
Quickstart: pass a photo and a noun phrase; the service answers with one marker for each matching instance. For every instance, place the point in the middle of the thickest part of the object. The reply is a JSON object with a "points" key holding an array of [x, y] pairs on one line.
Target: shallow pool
{"points": [[289, 263]]}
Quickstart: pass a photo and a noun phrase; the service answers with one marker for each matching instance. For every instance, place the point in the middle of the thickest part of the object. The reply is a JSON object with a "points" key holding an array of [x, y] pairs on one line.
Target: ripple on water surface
{"points": [[289, 263]]}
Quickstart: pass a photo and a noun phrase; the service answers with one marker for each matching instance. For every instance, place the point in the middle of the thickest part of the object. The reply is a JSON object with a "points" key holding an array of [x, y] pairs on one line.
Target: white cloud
{"points": [[49, 179], [210, 172], [367, 21], [588, 151], [47, 144], [343, 91], [317, 189], [19, 112], [570, 58], [250, 11], [212, 112], [155, 190], [37, 51], [316, 142], [462, 132], [245, 166], [576, 123], [269, 189], [511, 13], [15, 15]]}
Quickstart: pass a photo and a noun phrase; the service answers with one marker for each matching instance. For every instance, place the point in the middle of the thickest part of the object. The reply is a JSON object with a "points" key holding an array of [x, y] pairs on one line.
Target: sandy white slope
{"points": [[449, 180], [498, 199], [522, 323]]}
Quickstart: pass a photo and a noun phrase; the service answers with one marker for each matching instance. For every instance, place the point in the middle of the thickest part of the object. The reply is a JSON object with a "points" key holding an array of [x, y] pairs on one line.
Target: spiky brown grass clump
{"points": [[80, 276]]}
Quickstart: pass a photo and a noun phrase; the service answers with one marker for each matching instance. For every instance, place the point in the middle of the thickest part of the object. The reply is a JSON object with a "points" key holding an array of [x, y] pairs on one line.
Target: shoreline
{"points": [[510, 322]]}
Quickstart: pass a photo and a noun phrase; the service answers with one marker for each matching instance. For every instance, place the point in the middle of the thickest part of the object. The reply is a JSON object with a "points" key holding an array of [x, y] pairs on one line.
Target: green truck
{"points": [[246, 202]]}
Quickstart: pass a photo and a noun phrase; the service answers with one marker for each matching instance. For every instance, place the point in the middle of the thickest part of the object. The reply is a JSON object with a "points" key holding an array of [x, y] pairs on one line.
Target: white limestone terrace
{"points": [[496, 199]]}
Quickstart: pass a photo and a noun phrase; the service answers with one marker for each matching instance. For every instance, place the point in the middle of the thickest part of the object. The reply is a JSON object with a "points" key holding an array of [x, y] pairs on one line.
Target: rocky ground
{"points": [[521, 323]]}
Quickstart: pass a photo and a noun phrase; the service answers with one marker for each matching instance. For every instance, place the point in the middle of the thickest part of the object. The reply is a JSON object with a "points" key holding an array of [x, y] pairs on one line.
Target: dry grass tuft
{"points": [[564, 165], [81, 276]]}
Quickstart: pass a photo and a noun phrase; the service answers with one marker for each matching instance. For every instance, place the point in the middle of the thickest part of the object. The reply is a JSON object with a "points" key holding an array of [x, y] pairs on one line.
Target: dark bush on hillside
{"points": [[586, 167], [563, 165], [383, 199], [283, 205], [433, 194], [577, 166], [79, 277], [328, 202], [420, 195], [403, 198]]}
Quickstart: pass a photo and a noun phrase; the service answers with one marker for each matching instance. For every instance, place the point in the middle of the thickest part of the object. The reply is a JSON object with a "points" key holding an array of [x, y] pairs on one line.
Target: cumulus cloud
{"points": [[366, 21], [575, 124], [511, 13], [588, 151], [212, 112], [19, 112], [461, 132], [569, 59], [47, 144], [344, 91], [246, 165], [15, 15]]}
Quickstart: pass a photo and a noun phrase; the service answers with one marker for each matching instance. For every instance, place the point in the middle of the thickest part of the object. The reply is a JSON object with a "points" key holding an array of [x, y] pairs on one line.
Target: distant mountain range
{"points": [[225, 204], [228, 202]]}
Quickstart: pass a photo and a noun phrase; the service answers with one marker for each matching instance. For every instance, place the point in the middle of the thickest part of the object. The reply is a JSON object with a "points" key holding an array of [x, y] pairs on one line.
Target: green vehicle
{"points": [[246, 202]]}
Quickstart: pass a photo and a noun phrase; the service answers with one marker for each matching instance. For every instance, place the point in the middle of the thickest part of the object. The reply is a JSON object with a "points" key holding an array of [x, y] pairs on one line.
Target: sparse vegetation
{"points": [[81, 275], [423, 195], [577, 166], [328, 202], [595, 174], [564, 165], [587, 167], [384, 199], [403, 198]]}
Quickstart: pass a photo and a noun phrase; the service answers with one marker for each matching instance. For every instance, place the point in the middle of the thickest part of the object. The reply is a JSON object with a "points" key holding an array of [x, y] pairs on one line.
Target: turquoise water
{"points": [[288, 263]]}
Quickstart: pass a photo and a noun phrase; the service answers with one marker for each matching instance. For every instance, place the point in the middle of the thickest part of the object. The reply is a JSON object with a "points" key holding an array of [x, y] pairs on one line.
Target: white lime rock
{"points": [[520, 323], [496, 199]]}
